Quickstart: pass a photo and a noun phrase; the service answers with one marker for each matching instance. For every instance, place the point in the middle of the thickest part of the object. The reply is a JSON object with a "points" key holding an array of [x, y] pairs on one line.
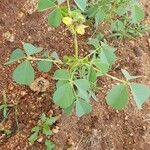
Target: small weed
{"points": [[43, 127]]}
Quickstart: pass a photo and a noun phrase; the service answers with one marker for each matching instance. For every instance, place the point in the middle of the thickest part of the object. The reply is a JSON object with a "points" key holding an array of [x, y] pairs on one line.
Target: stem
{"points": [[112, 77], [76, 45], [42, 59], [115, 78], [68, 5], [74, 34]]}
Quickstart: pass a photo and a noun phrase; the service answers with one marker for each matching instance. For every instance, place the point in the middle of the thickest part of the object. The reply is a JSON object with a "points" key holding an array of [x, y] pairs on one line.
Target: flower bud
{"points": [[80, 29], [67, 21]]}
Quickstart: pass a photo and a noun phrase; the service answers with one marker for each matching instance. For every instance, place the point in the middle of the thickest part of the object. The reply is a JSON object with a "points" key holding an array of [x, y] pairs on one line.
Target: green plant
{"points": [[124, 16], [43, 127], [77, 76], [4, 106]]}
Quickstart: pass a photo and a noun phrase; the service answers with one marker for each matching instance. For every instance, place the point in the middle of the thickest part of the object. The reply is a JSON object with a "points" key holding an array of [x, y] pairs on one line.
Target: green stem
{"points": [[56, 62], [110, 76], [76, 45], [74, 34], [68, 5]]}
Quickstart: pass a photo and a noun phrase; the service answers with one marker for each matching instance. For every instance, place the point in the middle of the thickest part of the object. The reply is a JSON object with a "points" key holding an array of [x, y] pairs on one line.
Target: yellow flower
{"points": [[80, 29], [67, 21]]}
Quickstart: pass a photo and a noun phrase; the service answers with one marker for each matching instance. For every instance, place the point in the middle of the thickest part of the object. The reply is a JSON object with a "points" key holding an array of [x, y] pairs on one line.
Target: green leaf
{"points": [[99, 17], [64, 96], [55, 18], [46, 130], [140, 92], [91, 12], [121, 10], [83, 87], [24, 73], [104, 68], [92, 74], [107, 55], [81, 4], [69, 109], [49, 145], [117, 26], [62, 74], [15, 56], [33, 137], [117, 97], [45, 4], [44, 66], [54, 56], [82, 84], [60, 83], [51, 120], [31, 49], [94, 42], [137, 14], [128, 76], [82, 108]]}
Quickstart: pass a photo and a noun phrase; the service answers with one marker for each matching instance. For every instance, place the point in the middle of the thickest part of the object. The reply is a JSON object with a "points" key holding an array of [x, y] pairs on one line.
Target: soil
{"points": [[104, 128]]}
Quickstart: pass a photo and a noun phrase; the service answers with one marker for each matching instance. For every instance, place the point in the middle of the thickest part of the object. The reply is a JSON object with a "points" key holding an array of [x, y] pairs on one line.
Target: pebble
{"points": [[40, 139], [55, 130], [9, 36]]}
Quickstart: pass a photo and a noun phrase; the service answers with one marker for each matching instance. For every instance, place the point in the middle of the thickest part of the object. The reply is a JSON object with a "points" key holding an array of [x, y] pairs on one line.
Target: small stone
{"points": [[55, 130], [131, 134], [40, 139], [126, 118], [23, 93], [9, 36]]}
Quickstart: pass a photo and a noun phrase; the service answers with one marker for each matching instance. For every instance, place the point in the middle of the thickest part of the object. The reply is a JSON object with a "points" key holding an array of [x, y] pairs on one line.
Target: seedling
{"points": [[5, 106], [44, 127], [76, 75]]}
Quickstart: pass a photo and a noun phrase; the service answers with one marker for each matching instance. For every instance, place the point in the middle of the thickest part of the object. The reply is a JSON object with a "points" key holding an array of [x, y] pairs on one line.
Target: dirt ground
{"points": [[104, 128]]}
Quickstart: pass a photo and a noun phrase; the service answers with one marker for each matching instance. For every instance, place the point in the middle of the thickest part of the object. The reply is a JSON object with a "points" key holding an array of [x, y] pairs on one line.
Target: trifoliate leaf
{"points": [[62, 74], [82, 108], [117, 97], [15, 56], [81, 4], [140, 92], [31, 49], [45, 4], [137, 14], [55, 18], [44, 66], [64, 96], [24, 73]]}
